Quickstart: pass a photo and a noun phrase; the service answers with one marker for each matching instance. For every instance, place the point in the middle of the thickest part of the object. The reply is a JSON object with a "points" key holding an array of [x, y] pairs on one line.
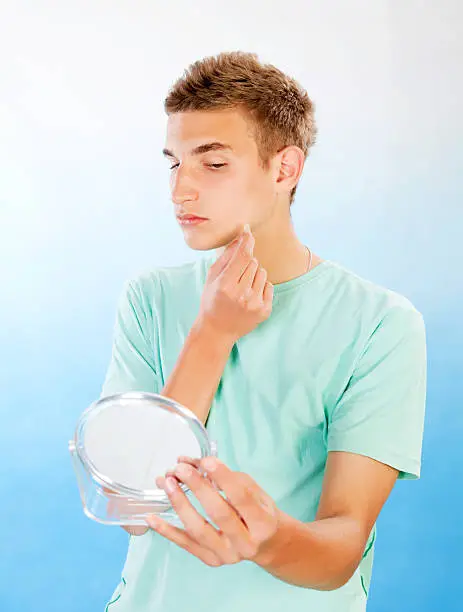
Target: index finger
{"points": [[220, 263], [240, 257], [241, 491]]}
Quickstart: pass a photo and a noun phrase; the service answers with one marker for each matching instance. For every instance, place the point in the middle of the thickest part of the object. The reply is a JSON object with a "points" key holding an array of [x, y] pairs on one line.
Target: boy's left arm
{"points": [[322, 554], [325, 553], [374, 437]]}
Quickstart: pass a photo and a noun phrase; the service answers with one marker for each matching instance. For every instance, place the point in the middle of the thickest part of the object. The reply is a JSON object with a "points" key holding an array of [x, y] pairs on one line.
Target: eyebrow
{"points": [[203, 148]]}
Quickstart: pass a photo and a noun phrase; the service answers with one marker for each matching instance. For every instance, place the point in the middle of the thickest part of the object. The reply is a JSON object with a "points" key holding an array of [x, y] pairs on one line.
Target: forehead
{"points": [[187, 130]]}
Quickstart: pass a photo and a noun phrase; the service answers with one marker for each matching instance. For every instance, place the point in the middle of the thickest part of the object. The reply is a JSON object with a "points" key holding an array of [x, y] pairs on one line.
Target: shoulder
{"points": [[371, 314], [358, 294]]}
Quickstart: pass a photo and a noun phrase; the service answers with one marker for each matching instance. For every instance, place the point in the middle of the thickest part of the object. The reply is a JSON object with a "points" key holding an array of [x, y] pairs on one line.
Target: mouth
{"points": [[188, 220]]}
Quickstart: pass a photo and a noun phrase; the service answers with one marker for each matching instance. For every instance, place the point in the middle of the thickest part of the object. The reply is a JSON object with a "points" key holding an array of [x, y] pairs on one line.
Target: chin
{"points": [[201, 244], [205, 242]]}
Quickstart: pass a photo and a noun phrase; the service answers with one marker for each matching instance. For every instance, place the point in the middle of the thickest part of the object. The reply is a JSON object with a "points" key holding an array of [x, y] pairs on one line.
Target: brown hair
{"points": [[280, 110]]}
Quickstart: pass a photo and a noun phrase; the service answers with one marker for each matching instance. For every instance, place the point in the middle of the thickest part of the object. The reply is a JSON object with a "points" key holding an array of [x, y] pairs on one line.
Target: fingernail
{"points": [[209, 464], [152, 521], [247, 228], [170, 485]]}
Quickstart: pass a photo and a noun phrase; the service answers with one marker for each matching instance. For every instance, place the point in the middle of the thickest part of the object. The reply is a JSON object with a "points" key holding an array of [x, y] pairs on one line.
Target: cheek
{"points": [[231, 190], [258, 183], [238, 193]]}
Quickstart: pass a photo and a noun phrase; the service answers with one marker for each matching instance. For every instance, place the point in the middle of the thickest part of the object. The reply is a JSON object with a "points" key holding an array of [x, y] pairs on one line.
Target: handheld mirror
{"points": [[122, 443]]}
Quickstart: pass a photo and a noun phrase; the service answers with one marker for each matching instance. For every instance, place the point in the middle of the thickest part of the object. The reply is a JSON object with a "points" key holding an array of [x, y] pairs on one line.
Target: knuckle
{"points": [[248, 485], [254, 306], [257, 304], [265, 306], [161, 529], [224, 289], [247, 296], [196, 530], [220, 515], [212, 561], [244, 497], [233, 558], [264, 311], [250, 549], [243, 254], [230, 554]]}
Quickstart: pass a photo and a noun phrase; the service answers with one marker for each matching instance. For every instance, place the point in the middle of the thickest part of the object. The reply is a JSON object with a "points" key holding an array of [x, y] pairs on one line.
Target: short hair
{"points": [[280, 110]]}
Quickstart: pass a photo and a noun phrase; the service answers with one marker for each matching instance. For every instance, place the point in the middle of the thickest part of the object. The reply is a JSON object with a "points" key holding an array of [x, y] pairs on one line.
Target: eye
{"points": [[215, 166]]}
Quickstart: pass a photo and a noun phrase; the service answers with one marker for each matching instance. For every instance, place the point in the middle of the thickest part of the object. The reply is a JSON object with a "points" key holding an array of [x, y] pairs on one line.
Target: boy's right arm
{"points": [[235, 300], [194, 379]]}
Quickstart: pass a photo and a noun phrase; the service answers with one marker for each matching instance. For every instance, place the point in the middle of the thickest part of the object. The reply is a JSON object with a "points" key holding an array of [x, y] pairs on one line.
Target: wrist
{"points": [[204, 329], [267, 558]]}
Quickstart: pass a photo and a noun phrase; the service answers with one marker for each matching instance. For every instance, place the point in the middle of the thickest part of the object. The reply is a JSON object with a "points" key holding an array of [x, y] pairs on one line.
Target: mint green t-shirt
{"points": [[340, 365]]}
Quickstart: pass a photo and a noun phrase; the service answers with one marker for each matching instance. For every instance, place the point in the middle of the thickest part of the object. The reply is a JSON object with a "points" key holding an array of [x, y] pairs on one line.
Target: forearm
{"points": [[321, 555], [194, 380]]}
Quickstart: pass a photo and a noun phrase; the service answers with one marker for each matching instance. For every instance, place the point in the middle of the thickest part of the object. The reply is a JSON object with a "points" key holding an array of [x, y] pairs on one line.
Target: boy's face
{"points": [[228, 196]]}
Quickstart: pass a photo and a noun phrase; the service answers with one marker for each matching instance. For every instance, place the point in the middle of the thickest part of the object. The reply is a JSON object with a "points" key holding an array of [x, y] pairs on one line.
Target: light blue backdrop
{"points": [[84, 205]]}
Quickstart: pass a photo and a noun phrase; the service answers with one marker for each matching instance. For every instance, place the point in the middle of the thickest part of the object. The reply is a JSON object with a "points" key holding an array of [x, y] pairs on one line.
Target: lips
{"points": [[190, 218]]}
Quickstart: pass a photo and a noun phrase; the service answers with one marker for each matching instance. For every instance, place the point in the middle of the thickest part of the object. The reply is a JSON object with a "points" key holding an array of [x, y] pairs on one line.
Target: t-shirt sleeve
{"points": [[132, 364], [380, 414]]}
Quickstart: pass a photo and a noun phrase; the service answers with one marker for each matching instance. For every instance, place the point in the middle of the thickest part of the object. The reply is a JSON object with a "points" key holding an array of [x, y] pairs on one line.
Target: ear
{"points": [[289, 165]]}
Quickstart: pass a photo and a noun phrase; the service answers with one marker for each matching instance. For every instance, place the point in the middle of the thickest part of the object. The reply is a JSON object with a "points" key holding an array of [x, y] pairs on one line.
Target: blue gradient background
{"points": [[84, 204]]}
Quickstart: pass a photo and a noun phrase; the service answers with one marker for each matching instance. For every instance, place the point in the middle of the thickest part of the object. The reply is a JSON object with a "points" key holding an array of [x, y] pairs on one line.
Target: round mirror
{"points": [[122, 443]]}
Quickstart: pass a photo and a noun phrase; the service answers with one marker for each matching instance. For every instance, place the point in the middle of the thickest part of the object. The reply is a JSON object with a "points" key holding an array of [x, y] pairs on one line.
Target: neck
{"points": [[279, 251]]}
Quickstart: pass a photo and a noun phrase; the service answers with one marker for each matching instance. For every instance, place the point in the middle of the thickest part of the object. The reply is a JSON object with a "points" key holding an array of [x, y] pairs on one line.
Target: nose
{"points": [[182, 187]]}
